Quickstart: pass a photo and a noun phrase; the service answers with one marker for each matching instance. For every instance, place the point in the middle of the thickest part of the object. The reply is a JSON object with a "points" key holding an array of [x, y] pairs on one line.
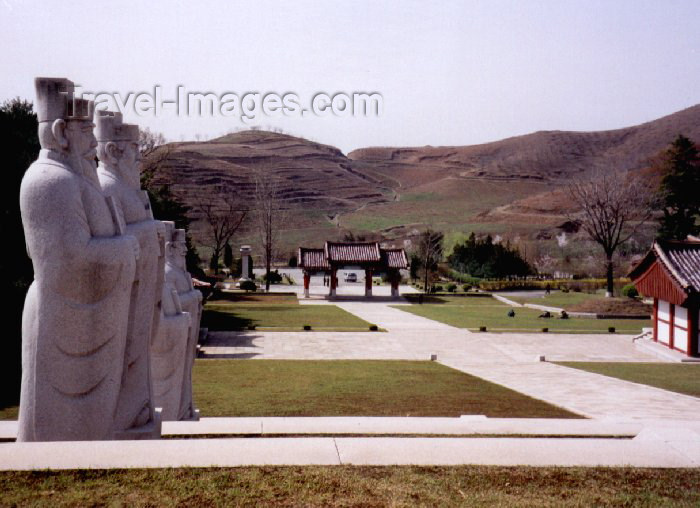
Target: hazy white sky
{"points": [[452, 73]]}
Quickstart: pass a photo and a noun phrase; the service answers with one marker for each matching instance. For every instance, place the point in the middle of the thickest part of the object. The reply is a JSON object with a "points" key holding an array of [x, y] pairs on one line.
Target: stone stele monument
{"points": [[74, 323], [119, 176], [191, 300]]}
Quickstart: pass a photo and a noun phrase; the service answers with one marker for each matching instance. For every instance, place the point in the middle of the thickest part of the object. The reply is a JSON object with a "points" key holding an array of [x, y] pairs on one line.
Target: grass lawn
{"points": [[220, 315], [557, 298], [355, 486], [676, 377], [473, 312], [354, 388]]}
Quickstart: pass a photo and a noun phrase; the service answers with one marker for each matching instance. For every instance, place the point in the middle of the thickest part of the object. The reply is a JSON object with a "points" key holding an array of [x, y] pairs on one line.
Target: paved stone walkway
{"points": [[509, 359]]}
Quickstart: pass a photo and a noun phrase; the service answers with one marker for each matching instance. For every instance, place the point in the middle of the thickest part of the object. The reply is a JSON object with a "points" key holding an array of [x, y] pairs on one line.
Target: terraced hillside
{"points": [[509, 187]]}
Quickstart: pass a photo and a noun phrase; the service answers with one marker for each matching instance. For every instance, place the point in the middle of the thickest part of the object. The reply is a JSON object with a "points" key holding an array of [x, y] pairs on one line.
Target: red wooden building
{"points": [[670, 273], [369, 256]]}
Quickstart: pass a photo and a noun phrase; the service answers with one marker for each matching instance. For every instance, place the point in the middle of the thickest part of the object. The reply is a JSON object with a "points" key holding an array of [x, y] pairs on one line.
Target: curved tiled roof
{"points": [[313, 259], [394, 258], [683, 261], [353, 252]]}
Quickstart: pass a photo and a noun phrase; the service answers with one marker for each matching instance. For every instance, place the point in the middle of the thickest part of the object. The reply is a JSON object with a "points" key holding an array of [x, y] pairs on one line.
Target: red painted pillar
{"points": [[395, 279], [693, 327], [334, 281], [368, 283], [307, 283], [656, 320]]}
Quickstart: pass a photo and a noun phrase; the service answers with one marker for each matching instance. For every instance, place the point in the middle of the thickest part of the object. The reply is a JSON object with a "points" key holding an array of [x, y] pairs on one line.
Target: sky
{"points": [[452, 73]]}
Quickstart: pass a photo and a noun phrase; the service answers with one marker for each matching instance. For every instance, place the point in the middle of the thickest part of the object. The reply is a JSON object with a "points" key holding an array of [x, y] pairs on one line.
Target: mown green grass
{"points": [[472, 313], [556, 298], [681, 378], [354, 388], [279, 317], [404, 486]]}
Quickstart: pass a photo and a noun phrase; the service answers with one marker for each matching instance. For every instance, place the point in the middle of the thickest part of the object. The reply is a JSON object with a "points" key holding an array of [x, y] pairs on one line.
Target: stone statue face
{"points": [[181, 252], [130, 163], [81, 143]]}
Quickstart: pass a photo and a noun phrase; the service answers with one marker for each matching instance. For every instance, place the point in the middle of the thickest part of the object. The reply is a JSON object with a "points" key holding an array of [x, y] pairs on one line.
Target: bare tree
{"points": [[154, 152], [269, 215], [612, 208], [430, 250], [222, 223]]}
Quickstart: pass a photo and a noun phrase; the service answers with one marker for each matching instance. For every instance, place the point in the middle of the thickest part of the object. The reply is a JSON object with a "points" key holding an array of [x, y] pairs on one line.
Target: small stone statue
{"points": [[169, 350], [119, 176], [74, 323], [191, 300]]}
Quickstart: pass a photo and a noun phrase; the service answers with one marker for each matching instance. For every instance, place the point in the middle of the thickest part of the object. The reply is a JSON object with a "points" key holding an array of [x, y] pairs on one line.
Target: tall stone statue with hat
{"points": [[178, 277], [169, 350], [119, 176], [74, 323]]}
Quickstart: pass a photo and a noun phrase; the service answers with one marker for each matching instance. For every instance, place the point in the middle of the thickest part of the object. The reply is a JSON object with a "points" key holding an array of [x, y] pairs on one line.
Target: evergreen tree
{"points": [[680, 190], [18, 129], [483, 258]]}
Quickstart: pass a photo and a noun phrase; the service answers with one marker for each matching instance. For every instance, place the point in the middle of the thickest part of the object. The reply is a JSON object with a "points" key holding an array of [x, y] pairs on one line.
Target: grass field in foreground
{"points": [[354, 388], [681, 378], [280, 317], [472, 313], [355, 486]]}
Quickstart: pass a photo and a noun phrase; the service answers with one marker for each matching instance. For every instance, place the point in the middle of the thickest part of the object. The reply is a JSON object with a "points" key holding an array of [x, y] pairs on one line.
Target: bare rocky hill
{"points": [[513, 185]]}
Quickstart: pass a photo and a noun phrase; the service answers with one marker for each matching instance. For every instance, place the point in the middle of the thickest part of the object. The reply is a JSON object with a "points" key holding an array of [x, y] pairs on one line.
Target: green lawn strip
{"points": [[400, 486], [472, 313], [281, 316], [9, 413], [556, 298], [681, 378], [242, 298], [354, 388]]}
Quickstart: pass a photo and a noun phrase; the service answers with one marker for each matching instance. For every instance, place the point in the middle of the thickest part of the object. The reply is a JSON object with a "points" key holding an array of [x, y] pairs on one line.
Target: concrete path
{"points": [[509, 359], [650, 449]]}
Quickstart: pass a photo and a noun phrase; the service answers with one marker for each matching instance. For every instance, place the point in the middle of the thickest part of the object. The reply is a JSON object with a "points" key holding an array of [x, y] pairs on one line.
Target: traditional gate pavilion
{"points": [[670, 273], [369, 256]]}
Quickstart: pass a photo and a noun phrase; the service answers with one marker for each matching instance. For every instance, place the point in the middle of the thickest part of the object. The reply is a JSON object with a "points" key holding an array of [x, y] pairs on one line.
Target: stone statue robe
{"points": [[191, 301], [169, 354], [74, 322], [136, 405]]}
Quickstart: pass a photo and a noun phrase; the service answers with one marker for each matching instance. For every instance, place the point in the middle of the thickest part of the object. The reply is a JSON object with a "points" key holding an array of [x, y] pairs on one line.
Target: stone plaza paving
{"points": [[652, 427]]}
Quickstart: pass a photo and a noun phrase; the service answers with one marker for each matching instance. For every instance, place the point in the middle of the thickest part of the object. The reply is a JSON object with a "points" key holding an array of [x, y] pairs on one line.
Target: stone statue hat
{"points": [[179, 235], [110, 127], [169, 230], [55, 100]]}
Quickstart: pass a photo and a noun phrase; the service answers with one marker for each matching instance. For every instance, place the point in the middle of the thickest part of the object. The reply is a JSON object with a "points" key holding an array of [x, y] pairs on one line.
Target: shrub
{"points": [[611, 329], [248, 285], [630, 291], [482, 328], [373, 328], [275, 277], [452, 287], [307, 328], [545, 330], [437, 288], [466, 287]]}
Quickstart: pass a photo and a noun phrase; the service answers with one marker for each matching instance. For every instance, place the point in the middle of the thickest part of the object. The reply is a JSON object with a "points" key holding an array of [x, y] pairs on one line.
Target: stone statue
{"points": [[119, 176], [169, 350], [74, 322], [191, 300]]}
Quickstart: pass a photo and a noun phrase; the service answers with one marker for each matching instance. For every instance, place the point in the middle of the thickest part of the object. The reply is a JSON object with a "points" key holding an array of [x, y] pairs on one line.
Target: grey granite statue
{"points": [[191, 300], [169, 350], [74, 323], [119, 176]]}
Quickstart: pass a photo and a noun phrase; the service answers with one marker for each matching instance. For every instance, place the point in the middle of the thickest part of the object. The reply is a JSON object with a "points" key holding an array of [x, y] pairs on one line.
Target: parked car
{"points": [[351, 277]]}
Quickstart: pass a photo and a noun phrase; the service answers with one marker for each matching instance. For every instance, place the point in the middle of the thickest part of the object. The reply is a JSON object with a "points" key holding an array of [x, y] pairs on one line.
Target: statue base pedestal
{"points": [[152, 430]]}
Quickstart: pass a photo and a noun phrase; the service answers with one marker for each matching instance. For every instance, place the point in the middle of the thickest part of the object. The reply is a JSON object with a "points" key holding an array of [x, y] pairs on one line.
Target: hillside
{"points": [[511, 187]]}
